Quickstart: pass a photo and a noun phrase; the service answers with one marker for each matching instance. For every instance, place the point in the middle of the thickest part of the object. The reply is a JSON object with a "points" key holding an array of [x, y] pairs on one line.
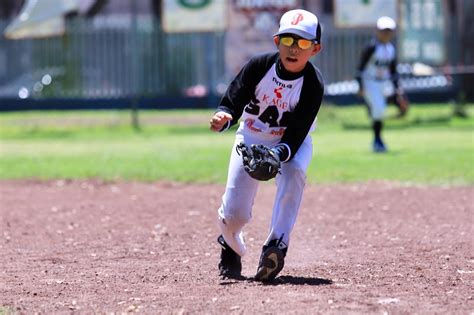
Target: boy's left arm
{"points": [[401, 99], [303, 117], [394, 73]]}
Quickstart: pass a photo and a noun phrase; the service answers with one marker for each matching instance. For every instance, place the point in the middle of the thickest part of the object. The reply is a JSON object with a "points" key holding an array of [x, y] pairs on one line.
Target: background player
{"points": [[276, 96], [377, 65]]}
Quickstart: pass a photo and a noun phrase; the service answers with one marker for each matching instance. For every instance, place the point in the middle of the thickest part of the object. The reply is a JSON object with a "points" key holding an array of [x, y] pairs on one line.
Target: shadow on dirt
{"points": [[300, 281], [282, 280]]}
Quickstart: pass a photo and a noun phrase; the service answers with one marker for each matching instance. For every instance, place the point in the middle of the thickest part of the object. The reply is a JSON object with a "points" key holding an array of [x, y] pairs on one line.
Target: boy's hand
{"points": [[218, 121], [259, 161], [402, 102]]}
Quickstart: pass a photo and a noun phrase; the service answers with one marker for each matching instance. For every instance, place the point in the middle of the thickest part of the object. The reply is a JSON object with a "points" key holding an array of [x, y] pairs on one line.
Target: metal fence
{"points": [[110, 62], [340, 54], [118, 60]]}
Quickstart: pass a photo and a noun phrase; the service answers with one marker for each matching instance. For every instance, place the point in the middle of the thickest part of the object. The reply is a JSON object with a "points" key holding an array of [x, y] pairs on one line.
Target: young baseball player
{"points": [[377, 65], [276, 97]]}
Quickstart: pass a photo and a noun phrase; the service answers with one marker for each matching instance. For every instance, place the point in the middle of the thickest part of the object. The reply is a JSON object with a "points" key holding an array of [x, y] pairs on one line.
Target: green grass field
{"points": [[428, 146]]}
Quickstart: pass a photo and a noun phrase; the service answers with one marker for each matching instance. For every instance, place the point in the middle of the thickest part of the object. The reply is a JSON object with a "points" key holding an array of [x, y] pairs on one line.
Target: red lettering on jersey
{"points": [[249, 123], [265, 98], [297, 18], [278, 103], [277, 92], [278, 132]]}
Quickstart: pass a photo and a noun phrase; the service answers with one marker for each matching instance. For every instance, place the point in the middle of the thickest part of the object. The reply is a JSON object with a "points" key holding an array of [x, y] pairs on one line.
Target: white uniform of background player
{"points": [[377, 66], [276, 108]]}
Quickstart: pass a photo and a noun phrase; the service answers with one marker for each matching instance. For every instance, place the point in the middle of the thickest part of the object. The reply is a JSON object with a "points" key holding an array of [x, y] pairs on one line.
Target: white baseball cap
{"points": [[386, 23], [302, 23]]}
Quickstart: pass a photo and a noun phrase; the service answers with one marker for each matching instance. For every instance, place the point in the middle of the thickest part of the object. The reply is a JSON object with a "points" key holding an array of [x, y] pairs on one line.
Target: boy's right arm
{"points": [[241, 91], [236, 97], [219, 121], [365, 56]]}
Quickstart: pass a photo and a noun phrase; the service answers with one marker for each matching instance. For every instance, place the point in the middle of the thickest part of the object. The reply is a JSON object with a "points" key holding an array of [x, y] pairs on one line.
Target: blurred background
{"points": [[99, 54]]}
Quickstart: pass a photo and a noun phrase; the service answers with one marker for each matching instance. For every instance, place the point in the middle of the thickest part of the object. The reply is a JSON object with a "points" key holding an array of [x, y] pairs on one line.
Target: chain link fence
{"points": [[110, 61], [117, 59]]}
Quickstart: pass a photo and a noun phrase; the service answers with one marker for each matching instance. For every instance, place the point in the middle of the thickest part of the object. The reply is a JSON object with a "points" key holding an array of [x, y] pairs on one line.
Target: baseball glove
{"points": [[403, 104], [260, 162]]}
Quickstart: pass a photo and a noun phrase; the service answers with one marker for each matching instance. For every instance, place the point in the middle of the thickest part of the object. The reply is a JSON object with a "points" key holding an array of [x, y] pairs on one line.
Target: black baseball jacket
{"points": [[274, 102]]}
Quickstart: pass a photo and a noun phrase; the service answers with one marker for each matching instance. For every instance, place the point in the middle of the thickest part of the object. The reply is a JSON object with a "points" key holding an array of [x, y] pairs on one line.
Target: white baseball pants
{"points": [[375, 98], [237, 201]]}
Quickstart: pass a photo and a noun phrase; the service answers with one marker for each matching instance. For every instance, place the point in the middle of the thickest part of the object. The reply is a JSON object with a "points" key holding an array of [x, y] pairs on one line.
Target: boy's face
{"points": [[295, 51], [385, 35]]}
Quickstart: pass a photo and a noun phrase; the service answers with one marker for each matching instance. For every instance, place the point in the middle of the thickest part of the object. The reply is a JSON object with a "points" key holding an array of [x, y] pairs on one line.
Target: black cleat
{"points": [[272, 261], [230, 266]]}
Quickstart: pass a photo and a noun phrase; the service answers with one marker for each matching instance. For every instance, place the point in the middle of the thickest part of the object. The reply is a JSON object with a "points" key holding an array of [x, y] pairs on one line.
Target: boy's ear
{"points": [[316, 49], [276, 40]]}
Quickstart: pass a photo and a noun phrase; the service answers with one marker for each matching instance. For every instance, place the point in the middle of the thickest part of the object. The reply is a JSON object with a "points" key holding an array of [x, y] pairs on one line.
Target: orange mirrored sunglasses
{"points": [[302, 43]]}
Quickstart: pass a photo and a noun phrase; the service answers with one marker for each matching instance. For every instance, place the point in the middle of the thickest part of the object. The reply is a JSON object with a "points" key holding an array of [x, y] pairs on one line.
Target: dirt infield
{"points": [[92, 247]]}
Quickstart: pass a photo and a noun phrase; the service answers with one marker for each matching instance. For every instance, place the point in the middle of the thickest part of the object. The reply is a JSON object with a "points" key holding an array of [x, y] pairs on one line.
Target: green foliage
{"points": [[428, 146], [5, 310]]}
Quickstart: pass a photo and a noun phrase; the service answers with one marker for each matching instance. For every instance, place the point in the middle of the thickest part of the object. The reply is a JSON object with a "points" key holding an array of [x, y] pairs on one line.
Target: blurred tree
{"points": [[96, 7], [467, 47], [10, 8], [156, 5]]}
